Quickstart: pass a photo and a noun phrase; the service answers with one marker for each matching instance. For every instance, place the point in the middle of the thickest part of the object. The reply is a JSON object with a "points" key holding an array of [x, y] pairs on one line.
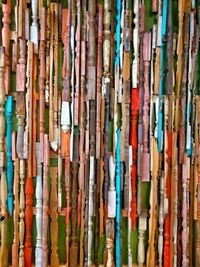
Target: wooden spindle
{"points": [[3, 248], [21, 212], [9, 163], [99, 78], [42, 79], [73, 256], [54, 217], [38, 193], [146, 58], [34, 25], [15, 246], [6, 36], [45, 217], [29, 181], [151, 254]]}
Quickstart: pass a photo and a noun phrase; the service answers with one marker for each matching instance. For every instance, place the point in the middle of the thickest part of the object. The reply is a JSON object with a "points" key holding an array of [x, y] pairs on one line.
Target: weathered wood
{"points": [[45, 217], [54, 217]]}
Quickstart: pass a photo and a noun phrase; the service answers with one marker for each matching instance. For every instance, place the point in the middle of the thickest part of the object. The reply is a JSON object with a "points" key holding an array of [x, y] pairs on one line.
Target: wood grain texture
{"points": [[15, 246], [73, 258], [38, 193], [42, 55], [45, 217], [3, 248], [151, 257], [54, 217], [29, 181], [99, 81], [6, 36]]}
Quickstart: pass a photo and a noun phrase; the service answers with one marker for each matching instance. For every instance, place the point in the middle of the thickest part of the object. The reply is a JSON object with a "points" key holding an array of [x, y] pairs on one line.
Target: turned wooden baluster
{"points": [[67, 189], [2, 109], [73, 256], [54, 144], [81, 174], [77, 63], [59, 187], [174, 217], [91, 207], [54, 216], [146, 59], [20, 101], [183, 93], [179, 52], [91, 87], [154, 5], [141, 247], [53, 78], [112, 192], [197, 184], [15, 44], [110, 233], [6, 36], [42, 79], [105, 104], [65, 153], [3, 184], [20, 146], [27, 112], [153, 204], [3, 249], [134, 111], [65, 115], [185, 233], [64, 31], [21, 5], [50, 74], [72, 47], [99, 78], [134, 144], [161, 83], [34, 24], [179, 61], [110, 224], [129, 211], [91, 67], [29, 180], [190, 85], [45, 217], [15, 246], [21, 212], [135, 64], [140, 114], [9, 163], [126, 100], [38, 193], [47, 59], [65, 109], [167, 169], [161, 221]]}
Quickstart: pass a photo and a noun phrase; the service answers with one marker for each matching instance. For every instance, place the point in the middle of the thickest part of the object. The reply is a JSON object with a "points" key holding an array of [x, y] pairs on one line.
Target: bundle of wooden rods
{"points": [[99, 133]]}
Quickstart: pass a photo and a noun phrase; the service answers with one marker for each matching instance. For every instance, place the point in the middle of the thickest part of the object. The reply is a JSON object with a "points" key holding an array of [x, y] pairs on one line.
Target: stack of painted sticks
{"points": [[99, 133]]}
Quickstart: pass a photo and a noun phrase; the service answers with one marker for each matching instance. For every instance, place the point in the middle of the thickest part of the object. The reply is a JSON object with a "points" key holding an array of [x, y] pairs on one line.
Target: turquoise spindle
{"points": [[118, 189], [9, 164], [189, 90], [160, 115]]}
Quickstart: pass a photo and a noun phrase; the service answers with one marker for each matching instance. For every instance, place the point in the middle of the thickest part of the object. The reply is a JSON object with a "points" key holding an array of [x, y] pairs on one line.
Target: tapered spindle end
{"points": [[9, 105], [10, 205], [34, 37]]}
